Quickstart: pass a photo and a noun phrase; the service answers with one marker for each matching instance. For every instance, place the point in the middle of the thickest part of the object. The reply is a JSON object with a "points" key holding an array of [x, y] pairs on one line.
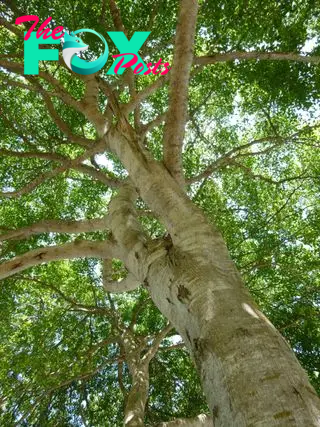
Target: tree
{"points": [[159, 174], [71, 363]]}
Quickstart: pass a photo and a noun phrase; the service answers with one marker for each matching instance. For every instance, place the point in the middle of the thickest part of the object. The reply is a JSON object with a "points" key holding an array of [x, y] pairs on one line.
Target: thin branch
{"points": [[78, 306], [157, 121], [12, 28], [248, 171], [14, 83], [179, 346], [35, 183], [64, 128], [98, 175], [273, 56], [145, 93], [225, 158], [153, 14], [33, 154], [80, 377], [60, 92], [12, 124], [120, 380], [67, 164], [149, 90], [283, 206], [229, 157], [137, 310], [103, 13], [156, 343]]}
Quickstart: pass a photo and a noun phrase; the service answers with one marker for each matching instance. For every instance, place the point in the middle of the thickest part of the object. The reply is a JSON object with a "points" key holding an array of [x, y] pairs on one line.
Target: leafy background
{"points": [[265, 202]]}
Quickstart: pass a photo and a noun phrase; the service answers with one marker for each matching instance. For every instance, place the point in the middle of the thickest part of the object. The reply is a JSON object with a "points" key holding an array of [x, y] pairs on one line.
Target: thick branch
{"points": [[116, 16], [130, 283], [128, 231], [56, 226], [179, 85], [199, 421], [90, 104], [78, 249], [97, 175]]}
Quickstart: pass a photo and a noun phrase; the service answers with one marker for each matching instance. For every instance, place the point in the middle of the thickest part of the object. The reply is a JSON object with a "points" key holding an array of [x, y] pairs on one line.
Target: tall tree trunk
{"points": [[249, 374]]}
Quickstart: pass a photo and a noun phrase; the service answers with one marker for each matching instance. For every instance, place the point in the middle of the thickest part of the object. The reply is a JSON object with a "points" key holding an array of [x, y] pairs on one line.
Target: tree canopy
{"points": [[250, 161]]}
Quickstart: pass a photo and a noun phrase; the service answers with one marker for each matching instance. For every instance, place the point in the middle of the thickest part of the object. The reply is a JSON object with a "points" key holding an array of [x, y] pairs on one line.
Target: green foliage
{"points": [[265, 202]]}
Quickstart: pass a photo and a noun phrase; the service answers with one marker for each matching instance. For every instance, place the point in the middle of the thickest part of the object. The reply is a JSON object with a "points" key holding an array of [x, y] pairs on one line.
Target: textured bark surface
{"points": [[199, 421], [138, 357], [139, 370], [250, 375], [179, 85]]}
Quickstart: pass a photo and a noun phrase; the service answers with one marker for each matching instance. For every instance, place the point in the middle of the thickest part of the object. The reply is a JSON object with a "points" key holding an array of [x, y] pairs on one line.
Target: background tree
{"points": [[71, 363], [136, 174]]}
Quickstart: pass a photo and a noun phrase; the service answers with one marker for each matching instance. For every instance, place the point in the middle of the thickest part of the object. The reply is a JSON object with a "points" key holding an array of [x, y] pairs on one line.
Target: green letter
{"points": [[32, 53]]}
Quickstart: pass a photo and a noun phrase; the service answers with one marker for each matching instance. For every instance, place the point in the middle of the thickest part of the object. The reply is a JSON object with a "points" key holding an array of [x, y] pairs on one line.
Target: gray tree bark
{"points": [[250, 375]]}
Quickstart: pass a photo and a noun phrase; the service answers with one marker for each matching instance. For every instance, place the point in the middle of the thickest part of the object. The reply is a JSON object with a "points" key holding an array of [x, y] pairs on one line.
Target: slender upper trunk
{"points": [[138, 395], [139, 371], [249, 374]]}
